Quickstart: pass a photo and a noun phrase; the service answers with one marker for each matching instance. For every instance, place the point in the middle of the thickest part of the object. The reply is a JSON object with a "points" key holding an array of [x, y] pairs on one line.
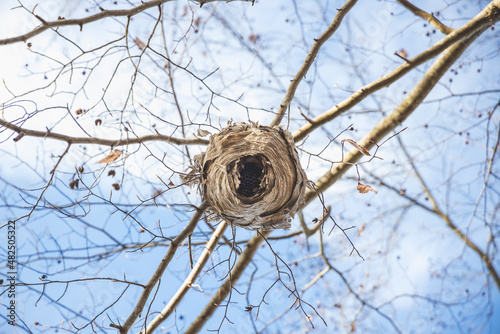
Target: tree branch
{"points": [[426, 16], [101, 141], [219, 296], [405, 109], [437, 210], [435, 72], [309, 60], [92, 18], [488, 16], [175, 243], [52, 175], [351, 289], [179, 295]]}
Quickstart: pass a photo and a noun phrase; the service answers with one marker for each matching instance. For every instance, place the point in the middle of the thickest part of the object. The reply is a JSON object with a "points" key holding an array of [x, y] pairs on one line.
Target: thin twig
{"points": [[101, 141], [478, 24], [219, 296], [290, 93], [188, 282], [426, 16], [92, 18], [487, 261], [404, 110], [175, 243]]}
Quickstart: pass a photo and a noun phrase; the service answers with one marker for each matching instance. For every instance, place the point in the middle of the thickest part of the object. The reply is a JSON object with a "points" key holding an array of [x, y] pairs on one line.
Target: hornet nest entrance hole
{"points": [[250, 170]]}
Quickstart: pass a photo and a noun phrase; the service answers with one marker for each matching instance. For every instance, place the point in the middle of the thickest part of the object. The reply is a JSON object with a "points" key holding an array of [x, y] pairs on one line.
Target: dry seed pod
{"points": [[251, 176]]}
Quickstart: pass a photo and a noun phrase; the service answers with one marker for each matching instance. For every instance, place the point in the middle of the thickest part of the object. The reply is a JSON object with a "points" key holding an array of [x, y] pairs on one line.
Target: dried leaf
{"points": [[98, 122], [111, 173], [363, 188], [196, 22], [139, 43], [403, 53], [360, 230], [171, 184], [79, 111], [253, 38], [115, 154], [203, 133], [74, 184], [357, 146], [116, 186]]}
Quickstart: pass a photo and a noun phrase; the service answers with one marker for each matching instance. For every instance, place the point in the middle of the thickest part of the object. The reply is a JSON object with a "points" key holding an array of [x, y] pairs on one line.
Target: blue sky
{"points": [[415, 270]]}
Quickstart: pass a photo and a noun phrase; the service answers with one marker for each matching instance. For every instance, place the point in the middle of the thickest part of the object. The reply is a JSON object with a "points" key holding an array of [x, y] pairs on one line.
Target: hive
{"points": [[251, 176]]}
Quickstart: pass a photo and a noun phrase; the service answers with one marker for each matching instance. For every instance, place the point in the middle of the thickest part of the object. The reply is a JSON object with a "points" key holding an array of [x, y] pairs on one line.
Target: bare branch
{"points": [[183, 289], [479, 23], [285, 104], [219, 296], [350, 288], [175, 243], [101, 141], [47, 185], [92, 18], [393, 120], [426, 16], [488, 262]]}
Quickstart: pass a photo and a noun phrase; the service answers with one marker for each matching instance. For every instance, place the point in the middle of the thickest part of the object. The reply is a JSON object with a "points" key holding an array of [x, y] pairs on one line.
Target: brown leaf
{"points": [[98, 122], [171, 184], [116, 186], [253, 38], [196, 22], [357, 146], [203, 133], [111, 173], [139, 43], [363, 188], [115, 154], [403, 53], [74, 184]]}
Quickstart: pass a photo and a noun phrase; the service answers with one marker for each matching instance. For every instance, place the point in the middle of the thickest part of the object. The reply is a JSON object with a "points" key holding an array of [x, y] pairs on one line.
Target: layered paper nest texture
{"points": [[251, 176]]}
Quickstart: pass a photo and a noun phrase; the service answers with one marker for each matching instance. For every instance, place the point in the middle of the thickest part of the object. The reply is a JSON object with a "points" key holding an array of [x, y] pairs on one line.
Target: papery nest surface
{"points": [[251, 176]]}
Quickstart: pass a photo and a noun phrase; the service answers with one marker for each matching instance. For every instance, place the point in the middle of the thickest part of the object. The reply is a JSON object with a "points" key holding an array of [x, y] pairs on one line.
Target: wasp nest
{"points": [[251, 176]]}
